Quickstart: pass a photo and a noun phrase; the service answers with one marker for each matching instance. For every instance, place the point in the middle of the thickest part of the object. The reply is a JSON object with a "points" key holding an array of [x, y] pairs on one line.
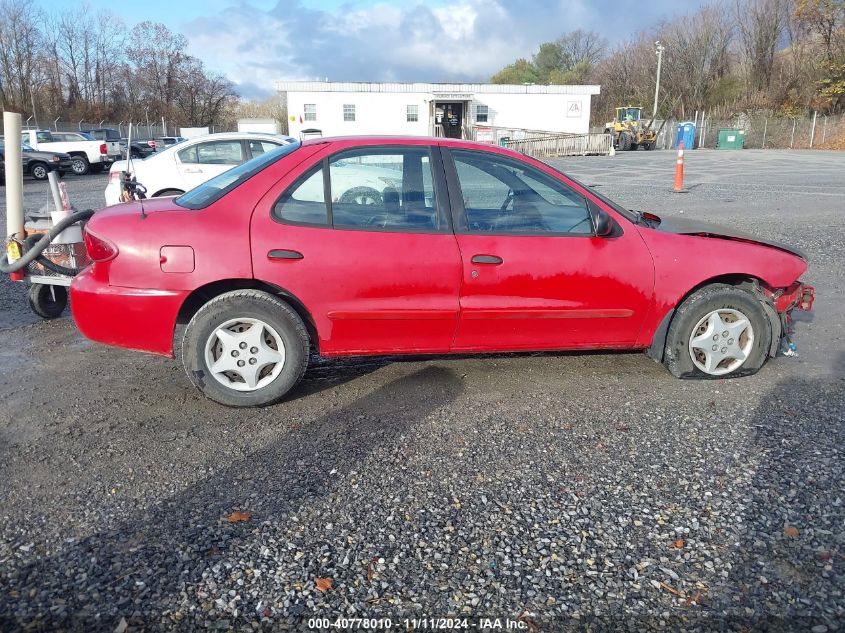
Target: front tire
{"points": [[39, 171], [245, 348], [48, 302], [718, 332]]}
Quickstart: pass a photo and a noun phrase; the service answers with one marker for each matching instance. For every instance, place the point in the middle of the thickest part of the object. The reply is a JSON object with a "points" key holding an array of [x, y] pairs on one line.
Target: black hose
{"points": [[30, 241], [32, 254]]}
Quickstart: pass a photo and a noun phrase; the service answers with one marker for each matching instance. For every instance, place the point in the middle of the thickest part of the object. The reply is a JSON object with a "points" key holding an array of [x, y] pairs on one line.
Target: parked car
{"points": [[86, 155], [140, 149], [465, 248], [71, 137], [163, 142], [36, 164], [183, 166]]}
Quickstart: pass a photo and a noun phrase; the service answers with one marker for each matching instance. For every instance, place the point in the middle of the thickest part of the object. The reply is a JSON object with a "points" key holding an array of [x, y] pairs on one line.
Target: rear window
{"points": [[212, 190]]}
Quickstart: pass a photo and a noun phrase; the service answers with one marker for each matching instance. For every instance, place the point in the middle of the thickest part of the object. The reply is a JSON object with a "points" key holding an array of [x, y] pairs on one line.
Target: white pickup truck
{"points": [[85, 155]]}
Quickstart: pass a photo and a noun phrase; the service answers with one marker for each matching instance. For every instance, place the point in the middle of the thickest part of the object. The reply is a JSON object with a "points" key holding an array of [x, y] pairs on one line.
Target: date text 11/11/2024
{"points": [[420, 624]]}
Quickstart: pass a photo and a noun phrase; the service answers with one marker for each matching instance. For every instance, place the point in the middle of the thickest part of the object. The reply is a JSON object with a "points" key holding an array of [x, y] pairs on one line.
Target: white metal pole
{"points": [[792, 138], [765, 129], [813, 130], [660, 49], [163, 128], [32, 100], [824, 129], [14, 174]]}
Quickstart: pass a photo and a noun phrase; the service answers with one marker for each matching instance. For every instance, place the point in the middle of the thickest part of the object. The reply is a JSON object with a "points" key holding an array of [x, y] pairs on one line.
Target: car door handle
{"points": [[486, 259], [193, 171], [281, 253]]}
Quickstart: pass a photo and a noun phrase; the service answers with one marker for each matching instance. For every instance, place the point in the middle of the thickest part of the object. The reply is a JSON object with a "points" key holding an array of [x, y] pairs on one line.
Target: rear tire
{"points": [[245, 348], [80, 165], [48, 302], [707, 338]]}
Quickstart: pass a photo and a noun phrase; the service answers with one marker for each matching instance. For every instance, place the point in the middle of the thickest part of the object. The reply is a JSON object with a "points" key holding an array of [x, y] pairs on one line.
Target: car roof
{"points": [[355, 141], [240, 135], [243, 136]]}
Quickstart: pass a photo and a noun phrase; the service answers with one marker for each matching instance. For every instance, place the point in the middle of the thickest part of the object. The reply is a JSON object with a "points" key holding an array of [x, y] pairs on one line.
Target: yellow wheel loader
{"points": [[630, 130]]}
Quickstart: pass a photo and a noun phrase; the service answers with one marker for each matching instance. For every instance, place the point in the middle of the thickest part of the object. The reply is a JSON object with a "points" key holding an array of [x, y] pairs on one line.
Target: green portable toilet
{"points": [[503, 141], [731, 139]]}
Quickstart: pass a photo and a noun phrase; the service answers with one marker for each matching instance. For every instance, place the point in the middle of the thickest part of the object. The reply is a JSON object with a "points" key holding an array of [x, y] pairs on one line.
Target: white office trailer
{"points": [[483, 112], [259, 126]]}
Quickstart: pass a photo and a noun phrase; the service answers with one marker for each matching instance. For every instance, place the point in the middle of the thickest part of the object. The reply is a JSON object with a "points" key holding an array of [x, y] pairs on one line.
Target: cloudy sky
{"points": [[256, 42]]}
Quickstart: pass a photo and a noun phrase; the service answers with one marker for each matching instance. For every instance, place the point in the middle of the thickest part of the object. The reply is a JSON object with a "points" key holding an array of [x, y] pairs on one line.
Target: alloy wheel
{"points": [[721, 341], [245, 354]]}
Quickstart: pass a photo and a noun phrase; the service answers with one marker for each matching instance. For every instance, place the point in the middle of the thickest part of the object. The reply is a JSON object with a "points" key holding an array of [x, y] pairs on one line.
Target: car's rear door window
{"points": [[504, 196], [388, 189], [257, 148]]}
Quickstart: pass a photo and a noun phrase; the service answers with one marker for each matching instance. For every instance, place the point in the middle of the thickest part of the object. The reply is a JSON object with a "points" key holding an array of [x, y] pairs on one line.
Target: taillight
{"points": [[114, 176], [152, 144], [99, 249], [104, 149]]}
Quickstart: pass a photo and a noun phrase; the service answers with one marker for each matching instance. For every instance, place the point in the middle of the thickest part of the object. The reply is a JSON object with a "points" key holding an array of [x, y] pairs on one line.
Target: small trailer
{"points": [[45, 248]]}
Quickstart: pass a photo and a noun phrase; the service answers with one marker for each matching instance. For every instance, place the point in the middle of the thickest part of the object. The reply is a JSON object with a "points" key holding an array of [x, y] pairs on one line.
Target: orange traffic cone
{"points": [[679, 169]]}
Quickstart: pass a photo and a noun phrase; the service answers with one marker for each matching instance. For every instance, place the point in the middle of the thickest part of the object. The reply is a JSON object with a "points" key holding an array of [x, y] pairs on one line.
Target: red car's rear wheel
{"points": [[245, 348]]}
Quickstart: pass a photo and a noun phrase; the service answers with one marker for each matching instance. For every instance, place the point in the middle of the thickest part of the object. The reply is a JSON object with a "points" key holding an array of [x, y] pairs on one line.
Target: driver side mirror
{"points": [[602, 222]]}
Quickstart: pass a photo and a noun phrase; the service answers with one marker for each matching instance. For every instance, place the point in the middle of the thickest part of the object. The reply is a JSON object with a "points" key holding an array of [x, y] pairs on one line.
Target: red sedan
{"points": [[364, 246]]}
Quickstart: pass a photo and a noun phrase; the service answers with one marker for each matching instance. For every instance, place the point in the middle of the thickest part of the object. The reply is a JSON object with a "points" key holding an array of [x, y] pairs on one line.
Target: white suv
{"points": [[181, 167]]}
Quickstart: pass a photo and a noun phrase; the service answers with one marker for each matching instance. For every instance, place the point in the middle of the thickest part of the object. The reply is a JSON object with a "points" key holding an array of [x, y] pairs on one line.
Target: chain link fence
{"points": [[140, 130], [819, 131]]}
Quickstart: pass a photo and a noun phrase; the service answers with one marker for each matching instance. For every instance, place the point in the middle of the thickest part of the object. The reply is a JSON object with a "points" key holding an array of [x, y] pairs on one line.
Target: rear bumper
{"points": [[133, 318]]}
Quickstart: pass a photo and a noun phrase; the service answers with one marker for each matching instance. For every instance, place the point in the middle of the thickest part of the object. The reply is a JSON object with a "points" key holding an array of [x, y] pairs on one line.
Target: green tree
{"points": [[520, 72], [550, 59]]}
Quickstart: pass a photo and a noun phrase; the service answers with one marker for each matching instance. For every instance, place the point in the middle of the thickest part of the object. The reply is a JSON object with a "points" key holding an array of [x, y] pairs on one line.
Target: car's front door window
{"points": [[220, 153], [505, 197]]}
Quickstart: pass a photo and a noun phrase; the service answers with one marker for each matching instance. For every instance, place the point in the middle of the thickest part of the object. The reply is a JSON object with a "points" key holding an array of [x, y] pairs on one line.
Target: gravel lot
{"points": [[573, 491]]}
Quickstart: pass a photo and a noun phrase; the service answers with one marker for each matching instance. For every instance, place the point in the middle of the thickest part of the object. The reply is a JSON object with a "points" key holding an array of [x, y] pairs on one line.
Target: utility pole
{"points": [[659, 50]]}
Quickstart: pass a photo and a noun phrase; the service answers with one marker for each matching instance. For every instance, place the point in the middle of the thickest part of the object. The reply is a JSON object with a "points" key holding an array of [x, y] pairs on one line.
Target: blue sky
{"points": [[256, 42]]}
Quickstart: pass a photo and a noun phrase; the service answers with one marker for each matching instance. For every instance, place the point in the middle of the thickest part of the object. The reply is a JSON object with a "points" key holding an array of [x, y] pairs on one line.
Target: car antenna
{"points": [[127, 175]]}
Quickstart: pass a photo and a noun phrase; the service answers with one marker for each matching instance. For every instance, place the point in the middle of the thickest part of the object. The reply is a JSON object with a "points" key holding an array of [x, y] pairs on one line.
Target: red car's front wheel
{"points": [[719, 331], [245, 348]]}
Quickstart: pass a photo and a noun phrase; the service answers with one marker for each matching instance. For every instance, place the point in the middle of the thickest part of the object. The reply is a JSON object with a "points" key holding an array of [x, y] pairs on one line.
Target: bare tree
{"points": [[205, 97], [697, 55], [761, 25], [581, 46], [21, 41]]}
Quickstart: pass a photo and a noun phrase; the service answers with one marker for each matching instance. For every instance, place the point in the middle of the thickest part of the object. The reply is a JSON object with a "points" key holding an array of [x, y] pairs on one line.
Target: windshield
{"points": [[211, 191], [24, 146], [632, 114]]}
